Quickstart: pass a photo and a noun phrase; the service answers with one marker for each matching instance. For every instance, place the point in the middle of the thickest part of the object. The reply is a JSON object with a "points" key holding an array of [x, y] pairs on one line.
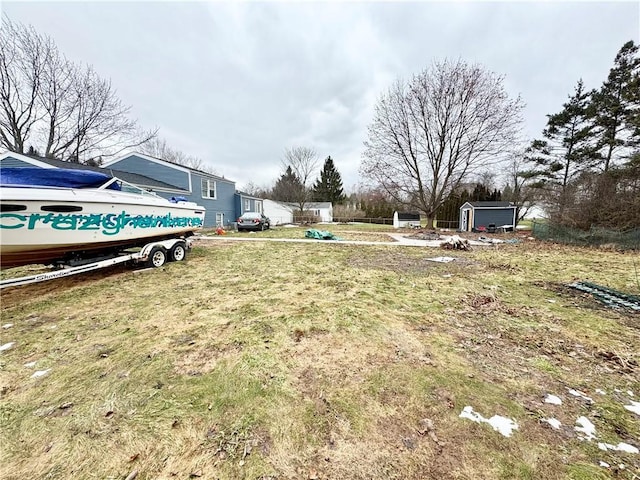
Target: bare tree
{"points": [[519, 188], [256, 190], [158, 148], [22, 58], [430, 133], [65, 110], [98, 122], [304, 164]]}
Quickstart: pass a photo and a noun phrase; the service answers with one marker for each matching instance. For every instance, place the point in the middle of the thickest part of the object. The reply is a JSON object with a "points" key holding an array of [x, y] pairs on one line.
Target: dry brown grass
{"points": [[320, 361]]}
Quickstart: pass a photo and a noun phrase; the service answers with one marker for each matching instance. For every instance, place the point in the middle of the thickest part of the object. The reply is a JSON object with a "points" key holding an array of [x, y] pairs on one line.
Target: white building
{"points": [[323, 210], [279, 213]]}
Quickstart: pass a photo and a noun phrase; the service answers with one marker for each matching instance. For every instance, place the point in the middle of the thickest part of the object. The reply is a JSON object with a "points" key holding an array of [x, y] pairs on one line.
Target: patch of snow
{"points": [[555, 423], [467, 412], [552, 399], [586, 427], [578, 393], [7, 346], [504, 425], [621, 447], [30, 364], [441, 259], [630, 393], [7, 325], [604, 464], [634, 407], [601, 392], [40, 373]]}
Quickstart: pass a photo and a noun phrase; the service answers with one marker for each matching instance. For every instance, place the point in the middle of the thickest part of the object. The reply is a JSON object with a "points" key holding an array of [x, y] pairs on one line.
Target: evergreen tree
{"points": [[567, 146], [449, 211], [616, 108], [287, 187], [328, 187]]}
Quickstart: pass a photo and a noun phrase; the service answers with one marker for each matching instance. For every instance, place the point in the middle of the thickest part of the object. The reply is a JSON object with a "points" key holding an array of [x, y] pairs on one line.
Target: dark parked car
{"points": [[253, 221]]}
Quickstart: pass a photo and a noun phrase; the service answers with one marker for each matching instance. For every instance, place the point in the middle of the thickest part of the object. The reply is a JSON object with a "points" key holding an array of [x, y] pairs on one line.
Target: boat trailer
{"points": [[154, 254]]}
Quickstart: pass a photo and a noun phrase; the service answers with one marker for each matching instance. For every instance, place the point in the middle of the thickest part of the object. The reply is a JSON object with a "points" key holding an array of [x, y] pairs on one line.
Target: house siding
{"points": [[164, 173], [14, 162], [278, 213], [240, 201], [191, 182], [222, 204], [499, 217]]}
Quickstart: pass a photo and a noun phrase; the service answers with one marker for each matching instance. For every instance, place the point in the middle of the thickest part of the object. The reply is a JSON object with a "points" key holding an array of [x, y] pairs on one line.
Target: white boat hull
{"points": [[43, 225]]}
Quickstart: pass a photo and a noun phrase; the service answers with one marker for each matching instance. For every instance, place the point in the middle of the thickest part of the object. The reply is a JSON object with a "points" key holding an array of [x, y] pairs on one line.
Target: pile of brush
{"points": [[456, 243]]}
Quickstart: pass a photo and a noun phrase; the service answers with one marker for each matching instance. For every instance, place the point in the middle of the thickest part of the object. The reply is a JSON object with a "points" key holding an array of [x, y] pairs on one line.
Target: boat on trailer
{"points": [[58, 216]]}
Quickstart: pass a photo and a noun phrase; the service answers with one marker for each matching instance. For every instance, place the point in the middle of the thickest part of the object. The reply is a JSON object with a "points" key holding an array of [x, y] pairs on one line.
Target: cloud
{"points": [[236, 83]]}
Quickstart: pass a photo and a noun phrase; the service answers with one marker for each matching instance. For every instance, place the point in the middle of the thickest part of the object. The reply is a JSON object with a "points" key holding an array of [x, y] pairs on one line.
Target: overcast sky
{"points": [[236, 83]]}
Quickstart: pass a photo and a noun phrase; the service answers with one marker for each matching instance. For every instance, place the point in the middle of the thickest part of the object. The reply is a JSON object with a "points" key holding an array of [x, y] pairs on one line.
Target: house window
{"points": [[208, 188], [316, 213], [219, 219], [258, 206], [247, 205]]}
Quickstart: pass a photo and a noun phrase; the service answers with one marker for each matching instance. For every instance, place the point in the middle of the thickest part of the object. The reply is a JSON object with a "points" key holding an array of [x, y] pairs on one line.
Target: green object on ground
{"points": [[609, 296], [320, 234]]}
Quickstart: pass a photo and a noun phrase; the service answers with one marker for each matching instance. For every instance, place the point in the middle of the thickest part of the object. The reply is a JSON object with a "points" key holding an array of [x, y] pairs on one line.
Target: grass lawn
{"points": [[270, 360]]}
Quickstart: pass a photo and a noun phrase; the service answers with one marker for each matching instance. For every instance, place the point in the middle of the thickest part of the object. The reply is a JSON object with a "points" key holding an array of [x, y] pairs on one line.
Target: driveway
{"points": [[398, 240]]}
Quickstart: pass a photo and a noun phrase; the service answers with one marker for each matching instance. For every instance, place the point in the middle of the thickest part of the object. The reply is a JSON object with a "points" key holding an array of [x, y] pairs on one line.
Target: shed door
{"points": [[464, 226]]}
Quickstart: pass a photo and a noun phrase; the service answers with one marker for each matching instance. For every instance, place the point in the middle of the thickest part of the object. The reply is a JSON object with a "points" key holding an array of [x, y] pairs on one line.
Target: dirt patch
{"points": [[200, 360]]}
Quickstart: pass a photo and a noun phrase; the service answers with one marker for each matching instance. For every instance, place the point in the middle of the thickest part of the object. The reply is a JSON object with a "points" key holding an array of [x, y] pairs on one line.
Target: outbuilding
{"points": [[487, 216], [406, 219], [278, 212]]}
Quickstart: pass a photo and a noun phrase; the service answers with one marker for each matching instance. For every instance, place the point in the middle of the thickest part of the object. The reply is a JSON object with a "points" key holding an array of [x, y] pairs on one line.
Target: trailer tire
{"points": [[178, 252], [157, 257]]}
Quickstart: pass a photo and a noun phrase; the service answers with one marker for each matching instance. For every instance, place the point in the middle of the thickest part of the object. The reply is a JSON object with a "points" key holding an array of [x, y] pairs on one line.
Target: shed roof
{"points": [[490, 204], [408, 215]]}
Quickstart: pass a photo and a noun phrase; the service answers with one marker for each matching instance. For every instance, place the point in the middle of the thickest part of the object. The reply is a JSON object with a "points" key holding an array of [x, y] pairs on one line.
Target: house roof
{"points": [[134, 178], [168, 163], [317, 205], [490, 204], [247, 195]]}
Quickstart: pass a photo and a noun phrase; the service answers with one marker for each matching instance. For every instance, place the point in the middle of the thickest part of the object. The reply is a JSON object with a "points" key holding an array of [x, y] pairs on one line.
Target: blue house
{"points": [[247, 203], [214, 193]]}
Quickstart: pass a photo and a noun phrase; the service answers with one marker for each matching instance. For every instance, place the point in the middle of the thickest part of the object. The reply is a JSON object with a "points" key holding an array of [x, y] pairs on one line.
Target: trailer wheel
{"points": [[157, 257], [178, 252]]}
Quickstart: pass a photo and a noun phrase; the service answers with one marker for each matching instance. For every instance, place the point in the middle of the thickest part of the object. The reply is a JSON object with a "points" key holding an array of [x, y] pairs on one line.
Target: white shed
{"points": [[323, 210], [406, 219], [279, 213]]}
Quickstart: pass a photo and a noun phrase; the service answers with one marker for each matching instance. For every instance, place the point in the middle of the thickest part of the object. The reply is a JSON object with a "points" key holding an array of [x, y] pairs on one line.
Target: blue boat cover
{"points": [[54, 177]]}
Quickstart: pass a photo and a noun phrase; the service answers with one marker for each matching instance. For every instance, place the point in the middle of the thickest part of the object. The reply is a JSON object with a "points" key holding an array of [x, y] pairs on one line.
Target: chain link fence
{"points": [[595, 236]]}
